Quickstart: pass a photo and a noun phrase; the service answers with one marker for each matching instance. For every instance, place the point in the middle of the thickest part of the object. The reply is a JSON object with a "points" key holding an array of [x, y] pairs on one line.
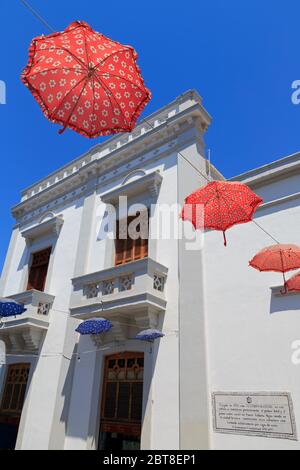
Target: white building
{"points": [[227, 328]]}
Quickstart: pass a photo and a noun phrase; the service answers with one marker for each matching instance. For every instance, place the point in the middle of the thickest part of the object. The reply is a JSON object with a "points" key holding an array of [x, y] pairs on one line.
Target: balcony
{"points": [[25, 333], [131, 295]]}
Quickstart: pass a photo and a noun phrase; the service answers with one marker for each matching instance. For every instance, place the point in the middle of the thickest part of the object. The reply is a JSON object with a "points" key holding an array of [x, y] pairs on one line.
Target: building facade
{"points": [[227, 328]]}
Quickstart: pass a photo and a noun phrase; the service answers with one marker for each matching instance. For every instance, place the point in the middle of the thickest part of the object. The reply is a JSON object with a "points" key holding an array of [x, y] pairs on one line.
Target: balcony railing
{"points": [[25, 332], [134, 293]]}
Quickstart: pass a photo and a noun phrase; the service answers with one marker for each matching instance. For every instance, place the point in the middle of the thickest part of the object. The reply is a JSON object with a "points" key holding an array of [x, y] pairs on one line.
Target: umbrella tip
{"points": [[224, 236]]}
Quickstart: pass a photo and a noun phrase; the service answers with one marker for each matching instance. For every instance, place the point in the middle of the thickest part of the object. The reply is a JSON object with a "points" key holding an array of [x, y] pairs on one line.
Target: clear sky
{"points": [[241, 56]]}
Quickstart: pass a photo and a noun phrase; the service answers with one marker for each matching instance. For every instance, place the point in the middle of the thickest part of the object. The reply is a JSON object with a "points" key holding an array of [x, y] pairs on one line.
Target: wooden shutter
{"points": [[38, 270], [15, 388], [123, 393], [123, 401], [110, 402], [136, 401], [127, 249]]}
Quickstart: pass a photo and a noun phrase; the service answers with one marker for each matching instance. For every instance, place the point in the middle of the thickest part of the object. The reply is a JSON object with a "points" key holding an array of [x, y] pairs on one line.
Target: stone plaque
{"points": [[254, 414]]}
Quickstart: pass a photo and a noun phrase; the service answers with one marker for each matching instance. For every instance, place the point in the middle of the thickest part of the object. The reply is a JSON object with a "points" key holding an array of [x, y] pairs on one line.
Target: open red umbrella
{"points": [[293, 284], [225, 204], [279, 258], [86, 81]]}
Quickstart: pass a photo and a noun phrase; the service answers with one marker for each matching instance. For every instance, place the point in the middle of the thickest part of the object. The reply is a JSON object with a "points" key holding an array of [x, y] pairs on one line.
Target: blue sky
{"points": [[242, 57]]}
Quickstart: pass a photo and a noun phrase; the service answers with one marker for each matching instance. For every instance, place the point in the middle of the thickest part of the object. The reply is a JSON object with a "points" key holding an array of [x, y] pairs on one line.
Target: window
{"points": [[38, 270], [14, 390], [128, 249], [12, 403], [122, 401]]}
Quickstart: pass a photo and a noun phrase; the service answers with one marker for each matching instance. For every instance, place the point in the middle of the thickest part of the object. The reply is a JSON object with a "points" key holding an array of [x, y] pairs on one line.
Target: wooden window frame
{"points": [[17, 410], [39, 269], [127, 250], [129, 426]]}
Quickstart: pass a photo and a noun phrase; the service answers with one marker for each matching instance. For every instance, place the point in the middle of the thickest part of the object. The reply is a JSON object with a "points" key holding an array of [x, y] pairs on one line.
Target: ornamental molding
{"points": [[166, 124], [50, 227], [33, 209], [150, 183], [272, 172]]}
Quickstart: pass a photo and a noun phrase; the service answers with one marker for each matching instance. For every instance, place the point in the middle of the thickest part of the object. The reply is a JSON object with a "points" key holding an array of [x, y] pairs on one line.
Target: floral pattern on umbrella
{"points": [[293, 284], [86, 81], [279, 258], [10, 308], [94, 326], [225, 204]]}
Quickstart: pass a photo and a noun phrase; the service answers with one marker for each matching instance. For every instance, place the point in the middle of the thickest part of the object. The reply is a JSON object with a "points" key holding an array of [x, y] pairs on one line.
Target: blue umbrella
{"points": [[10, 308], [94, 326], [149, 335]]}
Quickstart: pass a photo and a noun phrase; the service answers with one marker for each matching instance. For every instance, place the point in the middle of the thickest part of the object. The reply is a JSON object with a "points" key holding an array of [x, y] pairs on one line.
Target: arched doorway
{"points": [[122, 400]]}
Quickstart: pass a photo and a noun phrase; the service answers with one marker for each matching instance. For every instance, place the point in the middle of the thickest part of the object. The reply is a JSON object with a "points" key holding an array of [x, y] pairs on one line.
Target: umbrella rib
{"points": [[56, 47], [122, 78], [109, 95], [72, 69], [74, 107], [65, 97], [86, 47], [112, 53], [94, 99], [144, 91], [246, 215]]}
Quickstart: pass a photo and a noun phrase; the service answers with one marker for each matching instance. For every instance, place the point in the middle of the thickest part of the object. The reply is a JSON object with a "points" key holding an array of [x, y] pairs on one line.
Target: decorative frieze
{"points": [[184, 112]]}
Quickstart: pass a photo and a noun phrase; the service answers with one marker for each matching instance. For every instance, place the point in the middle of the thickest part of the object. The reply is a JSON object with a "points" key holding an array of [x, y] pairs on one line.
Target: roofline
{"points": [[272, 170], [98, 147]]}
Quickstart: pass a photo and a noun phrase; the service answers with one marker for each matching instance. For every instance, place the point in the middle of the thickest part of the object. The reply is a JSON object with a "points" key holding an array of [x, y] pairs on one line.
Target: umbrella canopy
{"points": [[149, 335], [86, 81], [293, 284], [10, 308], [94, 326], [225, 204], [279, 258]]}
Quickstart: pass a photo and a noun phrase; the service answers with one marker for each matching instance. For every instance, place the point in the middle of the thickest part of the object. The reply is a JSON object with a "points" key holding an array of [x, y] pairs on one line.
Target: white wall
{"points": [[46, 385], [249, 330]]}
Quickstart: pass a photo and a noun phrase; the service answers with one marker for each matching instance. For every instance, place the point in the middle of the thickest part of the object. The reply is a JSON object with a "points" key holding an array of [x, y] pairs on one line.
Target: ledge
{"points": [[25, 333], [149, 183], [132, 296], [52, 226], [166, 124], [276, 290]]}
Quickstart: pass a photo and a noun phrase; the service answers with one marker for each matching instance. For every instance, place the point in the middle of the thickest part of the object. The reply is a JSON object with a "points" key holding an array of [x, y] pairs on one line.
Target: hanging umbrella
{"points": [[279, 258], [94, 326], [149, 335], [293, 284], [225, 204], [86, 81], [10, 308]]}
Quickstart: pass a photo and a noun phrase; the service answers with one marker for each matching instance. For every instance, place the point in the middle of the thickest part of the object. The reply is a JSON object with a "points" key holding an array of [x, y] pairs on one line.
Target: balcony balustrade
{"points": [[131, 295], [25, 333]]}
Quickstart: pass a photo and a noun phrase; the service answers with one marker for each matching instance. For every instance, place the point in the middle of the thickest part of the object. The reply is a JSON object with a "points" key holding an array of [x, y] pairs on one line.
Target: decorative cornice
{"points": [[167, 123], [149, 183], [52, 226], [279, 201], [272, 172]]}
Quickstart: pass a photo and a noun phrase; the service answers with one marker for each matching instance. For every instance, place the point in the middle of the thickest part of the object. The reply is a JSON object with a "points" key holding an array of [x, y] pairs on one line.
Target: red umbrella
{"points": [[278, 258], [225, 204], [85, 81], [293, 284]]}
